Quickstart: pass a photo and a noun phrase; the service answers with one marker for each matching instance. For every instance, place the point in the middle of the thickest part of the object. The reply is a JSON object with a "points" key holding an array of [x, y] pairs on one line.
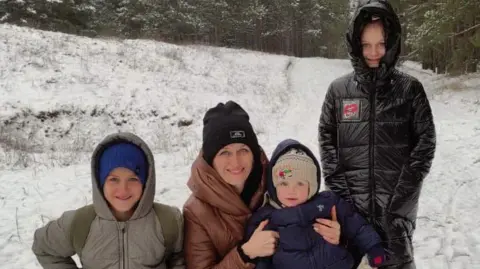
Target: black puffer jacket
{"points": [[377, 137]]}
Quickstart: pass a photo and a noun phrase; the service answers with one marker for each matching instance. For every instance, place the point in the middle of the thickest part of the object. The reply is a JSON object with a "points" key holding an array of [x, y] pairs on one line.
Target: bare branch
{"points": [[466, 30], [411, 54], [16, 222]]}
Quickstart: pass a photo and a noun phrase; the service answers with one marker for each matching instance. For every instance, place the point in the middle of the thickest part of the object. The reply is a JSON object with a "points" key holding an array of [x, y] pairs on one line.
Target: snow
{"points": [[61, 94]]}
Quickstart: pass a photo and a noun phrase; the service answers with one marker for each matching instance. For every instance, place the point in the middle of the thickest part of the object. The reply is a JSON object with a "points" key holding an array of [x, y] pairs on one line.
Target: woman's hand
{"points": [[329, 229], [262, 243]]}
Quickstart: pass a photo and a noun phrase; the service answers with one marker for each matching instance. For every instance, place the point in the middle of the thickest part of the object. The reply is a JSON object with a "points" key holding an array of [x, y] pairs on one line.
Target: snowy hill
{"points": [[61, 94]]}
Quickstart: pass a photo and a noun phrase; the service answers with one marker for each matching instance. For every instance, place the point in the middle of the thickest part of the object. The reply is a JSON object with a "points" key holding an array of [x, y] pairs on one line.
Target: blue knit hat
{"points": [[124, 155]]}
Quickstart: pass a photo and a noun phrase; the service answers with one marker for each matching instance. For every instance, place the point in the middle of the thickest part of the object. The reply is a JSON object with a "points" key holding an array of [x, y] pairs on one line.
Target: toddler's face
{"points": [[292, 192]]}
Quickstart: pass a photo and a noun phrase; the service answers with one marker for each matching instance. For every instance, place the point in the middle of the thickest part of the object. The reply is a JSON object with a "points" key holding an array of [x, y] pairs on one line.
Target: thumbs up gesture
{"points": [[262, 243]]}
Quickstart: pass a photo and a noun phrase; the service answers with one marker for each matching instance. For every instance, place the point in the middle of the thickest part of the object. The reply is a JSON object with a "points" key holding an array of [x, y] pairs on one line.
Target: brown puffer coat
{"points": [[215, 217]]}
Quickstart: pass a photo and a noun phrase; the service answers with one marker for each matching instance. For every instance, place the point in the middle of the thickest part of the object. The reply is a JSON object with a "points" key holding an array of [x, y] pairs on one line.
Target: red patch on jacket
{"points": [[351, 110]]}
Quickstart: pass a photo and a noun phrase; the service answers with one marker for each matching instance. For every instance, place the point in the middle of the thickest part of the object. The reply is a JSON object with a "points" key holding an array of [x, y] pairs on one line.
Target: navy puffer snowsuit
{"points": [[299, 245]]}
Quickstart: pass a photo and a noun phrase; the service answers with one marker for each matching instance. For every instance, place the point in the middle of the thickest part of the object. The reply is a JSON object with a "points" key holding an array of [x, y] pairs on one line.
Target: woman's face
{"points": [[234, 163]]}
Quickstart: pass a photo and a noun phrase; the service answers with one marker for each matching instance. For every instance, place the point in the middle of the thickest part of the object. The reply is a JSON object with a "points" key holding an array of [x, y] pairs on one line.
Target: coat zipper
{"points": [[372, 145], [123, 244]]}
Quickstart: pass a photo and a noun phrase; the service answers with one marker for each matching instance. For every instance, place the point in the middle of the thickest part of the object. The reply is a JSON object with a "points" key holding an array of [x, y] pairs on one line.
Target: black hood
{"points": [[393, 33]]}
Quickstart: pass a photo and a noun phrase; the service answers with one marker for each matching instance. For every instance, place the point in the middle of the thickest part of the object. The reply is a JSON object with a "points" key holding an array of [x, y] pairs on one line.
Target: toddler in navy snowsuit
{"points": [[293, 203]]}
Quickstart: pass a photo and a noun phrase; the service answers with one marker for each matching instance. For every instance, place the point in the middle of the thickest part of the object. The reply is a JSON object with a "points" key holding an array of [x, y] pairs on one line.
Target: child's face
{"points": [[373, 44], [292, 192], [122, 190]]}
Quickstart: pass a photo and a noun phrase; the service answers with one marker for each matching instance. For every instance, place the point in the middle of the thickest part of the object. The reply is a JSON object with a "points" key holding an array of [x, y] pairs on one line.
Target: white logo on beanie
{"points": [[237, 134]]}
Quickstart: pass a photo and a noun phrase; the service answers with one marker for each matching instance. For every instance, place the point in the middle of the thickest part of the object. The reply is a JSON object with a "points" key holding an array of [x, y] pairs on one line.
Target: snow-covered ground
{"points": [[61, 94]]}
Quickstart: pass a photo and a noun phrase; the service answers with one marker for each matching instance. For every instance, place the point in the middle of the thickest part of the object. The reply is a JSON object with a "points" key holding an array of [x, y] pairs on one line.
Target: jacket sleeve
{"points": [[327, 139], [200, 253], [260, 215], [176, 260], [264, 263], [356, 230], [51, 244], [422, 153]]}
